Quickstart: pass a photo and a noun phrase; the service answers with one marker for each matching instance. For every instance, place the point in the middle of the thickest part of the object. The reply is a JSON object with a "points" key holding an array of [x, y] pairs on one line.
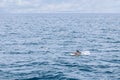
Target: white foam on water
{"points": [[86, 53], [72, 54]]}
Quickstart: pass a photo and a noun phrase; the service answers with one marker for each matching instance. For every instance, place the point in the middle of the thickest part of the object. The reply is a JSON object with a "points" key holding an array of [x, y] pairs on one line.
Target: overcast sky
{"points": [[38, 6]]}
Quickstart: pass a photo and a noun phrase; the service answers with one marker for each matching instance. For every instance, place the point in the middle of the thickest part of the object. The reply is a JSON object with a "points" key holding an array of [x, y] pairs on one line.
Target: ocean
{"points": [[38, 46]]}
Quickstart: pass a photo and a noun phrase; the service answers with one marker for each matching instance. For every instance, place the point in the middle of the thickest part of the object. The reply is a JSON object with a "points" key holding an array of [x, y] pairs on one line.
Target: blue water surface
{"points": [[38, 46]]}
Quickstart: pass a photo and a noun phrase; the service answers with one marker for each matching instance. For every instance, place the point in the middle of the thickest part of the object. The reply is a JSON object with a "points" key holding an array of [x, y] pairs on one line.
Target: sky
{"points": [[51, 6]]}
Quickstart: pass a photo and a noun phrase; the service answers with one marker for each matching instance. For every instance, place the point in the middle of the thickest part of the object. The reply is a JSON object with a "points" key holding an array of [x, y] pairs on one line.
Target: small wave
{"points": [[34, 78], [18, 52], [112, 50], [113, 42], [31, 43], [108, 72]]}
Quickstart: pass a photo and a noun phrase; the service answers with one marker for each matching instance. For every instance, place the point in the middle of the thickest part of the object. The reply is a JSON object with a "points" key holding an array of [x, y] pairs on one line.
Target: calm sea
{"points": [[38, 46]]}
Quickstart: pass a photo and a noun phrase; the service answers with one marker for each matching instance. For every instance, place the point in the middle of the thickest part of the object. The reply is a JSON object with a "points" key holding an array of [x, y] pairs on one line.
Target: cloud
{"points": [[2, 3], [37, 6]]}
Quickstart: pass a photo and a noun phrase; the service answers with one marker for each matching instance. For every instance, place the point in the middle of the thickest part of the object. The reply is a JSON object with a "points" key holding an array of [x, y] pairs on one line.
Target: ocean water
{"points": [[38, 46]]}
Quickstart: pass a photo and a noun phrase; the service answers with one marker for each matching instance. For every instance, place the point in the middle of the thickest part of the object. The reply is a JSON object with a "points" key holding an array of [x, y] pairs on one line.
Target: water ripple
{"points": [[38, 47]]}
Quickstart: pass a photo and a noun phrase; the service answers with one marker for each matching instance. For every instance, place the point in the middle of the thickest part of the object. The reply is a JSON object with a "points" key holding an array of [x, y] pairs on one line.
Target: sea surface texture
{"points": [[39, 46]]}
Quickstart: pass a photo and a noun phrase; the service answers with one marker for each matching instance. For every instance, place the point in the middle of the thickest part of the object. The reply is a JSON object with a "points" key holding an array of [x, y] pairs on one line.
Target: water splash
{"points": [[86, 53]]}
